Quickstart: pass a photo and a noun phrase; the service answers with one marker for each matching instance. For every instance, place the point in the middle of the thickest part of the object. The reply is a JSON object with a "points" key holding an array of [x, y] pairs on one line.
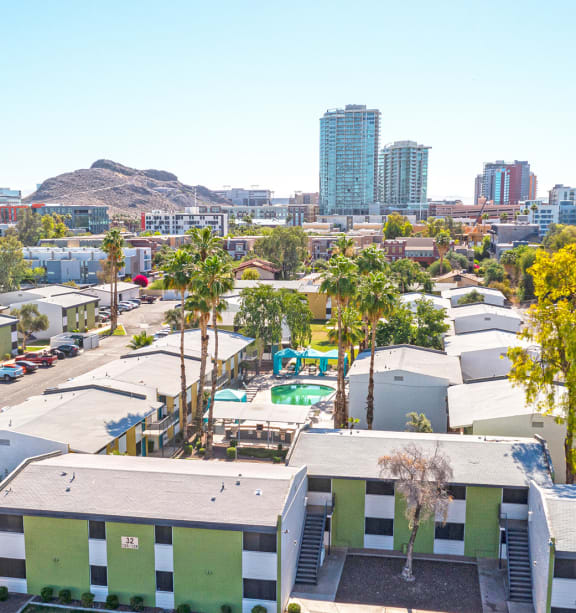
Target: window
{"points": [[380, 488], [458, 492], [10, 567], [515, 496], [259, 589], [450, 532], [98, 575], [259, 541], [11, 523], [398, 378], [319, 485], [565, 568], [97, 530], [163, 535], [380, 526], [164, 581]]}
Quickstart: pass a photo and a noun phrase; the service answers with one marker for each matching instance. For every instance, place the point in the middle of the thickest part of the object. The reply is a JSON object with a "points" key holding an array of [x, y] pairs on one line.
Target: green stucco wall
{"points": [[424, 542], [348, 517], [81, 318], [90, 308], [550, 575], [131, 571], [57, 554], [482, 531], [5, 341], [207, 569]]}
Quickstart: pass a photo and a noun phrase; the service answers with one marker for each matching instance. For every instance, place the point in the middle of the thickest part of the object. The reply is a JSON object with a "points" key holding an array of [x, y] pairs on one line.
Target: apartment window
{"points": [[11, 567], [565, 568], [97, 530], [98, 575], [11, 523], [380, 526], [319, 485], [163, 535], [259, 541], [450, 532], [259, 589], [380, 488], [458, 492], [515, 496], [164, 581]]}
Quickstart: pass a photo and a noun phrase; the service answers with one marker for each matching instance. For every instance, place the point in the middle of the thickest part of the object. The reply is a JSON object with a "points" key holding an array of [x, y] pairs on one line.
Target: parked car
{"points": [[11, 373], [29, 367], [69, 350], [59, 354], [39, 357], [135, 301], [148, 299], [122, 308], [127, 304]]}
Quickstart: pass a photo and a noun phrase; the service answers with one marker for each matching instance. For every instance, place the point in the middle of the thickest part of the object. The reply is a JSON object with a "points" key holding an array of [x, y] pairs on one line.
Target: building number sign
{"points": [[129, 542]]}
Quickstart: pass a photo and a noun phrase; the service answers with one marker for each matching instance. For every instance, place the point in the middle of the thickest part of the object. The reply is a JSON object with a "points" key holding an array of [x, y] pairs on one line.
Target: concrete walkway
{"points": [[328, 580]]}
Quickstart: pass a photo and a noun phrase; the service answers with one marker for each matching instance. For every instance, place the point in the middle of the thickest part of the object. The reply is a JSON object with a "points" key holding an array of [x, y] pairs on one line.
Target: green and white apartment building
{"points": [[210, 533], [8, 335]]}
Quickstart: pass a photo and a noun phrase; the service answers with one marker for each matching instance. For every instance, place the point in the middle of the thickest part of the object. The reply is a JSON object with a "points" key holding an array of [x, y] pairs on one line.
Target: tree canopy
{"points": [[397, 225], [285, 246], [13, 268]]}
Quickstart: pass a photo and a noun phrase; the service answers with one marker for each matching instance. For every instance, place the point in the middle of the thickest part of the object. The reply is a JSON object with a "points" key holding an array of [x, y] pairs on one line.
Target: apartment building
{"points": [[179, 222]]}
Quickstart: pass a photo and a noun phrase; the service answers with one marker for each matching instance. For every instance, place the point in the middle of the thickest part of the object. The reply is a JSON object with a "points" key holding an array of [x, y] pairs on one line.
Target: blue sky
{"points": [[230, 93]]}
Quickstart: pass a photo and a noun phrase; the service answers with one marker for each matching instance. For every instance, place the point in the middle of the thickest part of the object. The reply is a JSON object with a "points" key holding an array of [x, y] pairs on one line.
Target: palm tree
{"points": [[339, 282], [371, 259], [141, 340], [352, 330], [30, 320], [344, 246], [216, 276], [442, 241], [179, 271], [112, 246], [204, 243], [378, 297]]}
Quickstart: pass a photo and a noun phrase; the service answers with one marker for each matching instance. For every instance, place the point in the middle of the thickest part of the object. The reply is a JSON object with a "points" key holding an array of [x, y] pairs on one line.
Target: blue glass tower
{"points": [[349, 140]]}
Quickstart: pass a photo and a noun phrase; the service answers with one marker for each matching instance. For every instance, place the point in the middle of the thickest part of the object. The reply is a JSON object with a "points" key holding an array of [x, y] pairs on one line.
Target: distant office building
{"points": [[246, 197], [349, 140], [478, 182], [403, 174], [93, 219], [167, 222], [10, 203], [508, 183], [299, 214], [561, 192], [304, 198], [10, 196], [542, 214]]}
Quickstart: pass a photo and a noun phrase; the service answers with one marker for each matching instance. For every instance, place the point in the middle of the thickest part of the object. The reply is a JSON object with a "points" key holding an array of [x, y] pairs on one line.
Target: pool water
{"points": [[299, 394]]}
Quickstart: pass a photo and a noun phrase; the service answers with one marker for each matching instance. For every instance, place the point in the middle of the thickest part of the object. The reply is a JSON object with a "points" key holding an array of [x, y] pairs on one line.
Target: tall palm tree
{"points": [[344, 246], [339, 282], [179, 270], [442, 241], [204, 243], [112, 246], [352, 330], [378, 297], [371, 259], [215, 274]]}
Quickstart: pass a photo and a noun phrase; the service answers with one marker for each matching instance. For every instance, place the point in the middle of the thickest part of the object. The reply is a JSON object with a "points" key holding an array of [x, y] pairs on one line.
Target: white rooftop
{"points": [[483, 339], [122, 287], [412, 297], [483, 309], [463, 291], [261, 412], [560, 503]]}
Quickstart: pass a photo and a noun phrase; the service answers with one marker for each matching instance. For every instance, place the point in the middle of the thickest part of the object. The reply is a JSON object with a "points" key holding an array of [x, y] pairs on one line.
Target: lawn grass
{"points": [[320, 338]]}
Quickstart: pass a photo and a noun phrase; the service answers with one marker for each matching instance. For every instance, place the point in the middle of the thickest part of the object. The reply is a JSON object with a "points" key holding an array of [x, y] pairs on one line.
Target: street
{"points": [[147, 317]]}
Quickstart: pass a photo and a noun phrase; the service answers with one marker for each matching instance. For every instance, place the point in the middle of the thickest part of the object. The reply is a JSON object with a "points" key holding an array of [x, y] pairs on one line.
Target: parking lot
{"points": [[148, 317]]}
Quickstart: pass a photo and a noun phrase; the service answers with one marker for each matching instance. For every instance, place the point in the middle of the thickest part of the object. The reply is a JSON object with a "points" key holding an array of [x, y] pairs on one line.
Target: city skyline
{"points": [[237, 102]]}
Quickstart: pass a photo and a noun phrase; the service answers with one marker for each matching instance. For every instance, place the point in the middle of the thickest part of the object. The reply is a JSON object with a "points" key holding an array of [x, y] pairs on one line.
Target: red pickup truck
{"points": [[38, 357]]}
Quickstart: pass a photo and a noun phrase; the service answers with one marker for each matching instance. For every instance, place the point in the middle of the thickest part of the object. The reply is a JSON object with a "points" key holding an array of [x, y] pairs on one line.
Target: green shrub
{"points": [[112, 601], [136, 603], [3, 593], [183, 608], [280, 447], [276, 459], [233, 443], [201, 451], [225, 608], [87, 599], [259, 609], [231, 453], [46, 594], [294, 607], [64, 597], [259, 452]]}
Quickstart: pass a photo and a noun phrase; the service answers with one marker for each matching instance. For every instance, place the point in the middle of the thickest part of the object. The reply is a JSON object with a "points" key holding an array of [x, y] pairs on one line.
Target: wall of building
{"points": [[541, 551], [424, 542], [7, 337], [485, 363], [482, 529], [348, 517], [317, 304], [16, 447], [488, 321]]}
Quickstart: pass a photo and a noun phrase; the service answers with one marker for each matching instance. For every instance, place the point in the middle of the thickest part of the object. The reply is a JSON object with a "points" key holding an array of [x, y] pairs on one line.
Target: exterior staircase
{"points": [[311, 548], [251, 391], [519, 568]]}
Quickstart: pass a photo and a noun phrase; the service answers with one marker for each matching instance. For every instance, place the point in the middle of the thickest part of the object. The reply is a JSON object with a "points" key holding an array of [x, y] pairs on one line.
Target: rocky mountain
{"points": [[123, 189]]}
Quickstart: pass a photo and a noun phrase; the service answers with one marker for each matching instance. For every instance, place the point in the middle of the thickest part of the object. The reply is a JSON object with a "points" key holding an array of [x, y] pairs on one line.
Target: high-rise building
{"points": [[478, 188], [508, 182], [349, 140], [403, 174], [561, 193], [10, 196]]}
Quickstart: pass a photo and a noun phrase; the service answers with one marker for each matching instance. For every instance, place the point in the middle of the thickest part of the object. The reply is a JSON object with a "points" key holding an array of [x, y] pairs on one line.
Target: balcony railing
{"points": [[156, 428]]}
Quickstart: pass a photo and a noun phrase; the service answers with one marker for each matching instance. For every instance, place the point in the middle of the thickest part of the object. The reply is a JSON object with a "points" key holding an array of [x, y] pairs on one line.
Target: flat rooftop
{"points": [[482, 308], [475, 460], [561, 506], [483, 339], [87, 420], [151, 490]]}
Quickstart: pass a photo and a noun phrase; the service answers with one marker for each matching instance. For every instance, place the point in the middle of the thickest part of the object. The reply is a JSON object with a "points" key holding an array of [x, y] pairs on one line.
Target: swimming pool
{"points": [[301, 394]]}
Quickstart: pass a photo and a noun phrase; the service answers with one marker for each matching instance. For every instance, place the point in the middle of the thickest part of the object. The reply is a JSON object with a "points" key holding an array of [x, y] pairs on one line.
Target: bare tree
{"points": [[421, 478]]}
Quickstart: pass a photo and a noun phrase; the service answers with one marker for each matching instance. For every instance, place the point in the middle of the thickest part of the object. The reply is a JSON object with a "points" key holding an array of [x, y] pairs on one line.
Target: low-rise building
{"points": [[406, 378], [266, 270], [476, 317], [93, 219], [421, 250], [238, 247], [8, 336], [179, 222], [412, 298], [35, 293], [457, 278], [125, 291], [489, 295], [204, 534], [16, 448]]}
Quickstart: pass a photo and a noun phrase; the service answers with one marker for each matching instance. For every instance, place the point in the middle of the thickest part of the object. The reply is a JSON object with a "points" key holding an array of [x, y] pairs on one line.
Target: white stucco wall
{"points": [[16, 447], [394, 399], [539, 535], [485, 363], [488, 321], [54, 314]]}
